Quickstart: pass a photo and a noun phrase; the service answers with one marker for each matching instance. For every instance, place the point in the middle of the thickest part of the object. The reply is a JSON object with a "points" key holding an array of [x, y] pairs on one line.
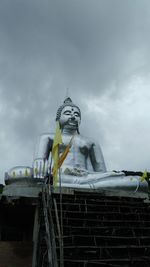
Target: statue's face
{"points": [[70, 118]]}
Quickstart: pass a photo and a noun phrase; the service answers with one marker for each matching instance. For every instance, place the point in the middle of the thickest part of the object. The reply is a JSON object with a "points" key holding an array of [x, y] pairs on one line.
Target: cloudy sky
{"points": [[100, 50]]}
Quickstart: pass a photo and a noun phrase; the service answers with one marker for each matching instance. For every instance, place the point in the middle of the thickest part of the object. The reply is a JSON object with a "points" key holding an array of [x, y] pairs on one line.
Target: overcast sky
{"points": [[100, 50]]}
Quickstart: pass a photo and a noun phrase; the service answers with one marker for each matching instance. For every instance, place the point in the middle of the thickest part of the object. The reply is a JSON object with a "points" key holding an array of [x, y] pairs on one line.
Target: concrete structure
{"points": [[74, 228]]}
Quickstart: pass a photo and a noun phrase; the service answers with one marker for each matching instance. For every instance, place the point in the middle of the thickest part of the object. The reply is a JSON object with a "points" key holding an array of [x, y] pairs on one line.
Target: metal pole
{"points": [[61, 223]]}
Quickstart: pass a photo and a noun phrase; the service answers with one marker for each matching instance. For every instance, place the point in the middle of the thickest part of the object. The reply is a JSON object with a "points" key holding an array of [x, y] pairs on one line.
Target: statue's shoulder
{"points": [[45, 136]]}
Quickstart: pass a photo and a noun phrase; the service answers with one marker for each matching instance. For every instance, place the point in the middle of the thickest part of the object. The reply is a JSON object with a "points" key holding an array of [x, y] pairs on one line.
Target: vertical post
{"points": [[35, 237], [61, 223]]}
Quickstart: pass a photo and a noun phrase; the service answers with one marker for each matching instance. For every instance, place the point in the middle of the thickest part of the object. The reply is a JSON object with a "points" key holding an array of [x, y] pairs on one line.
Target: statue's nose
{"points": [[73, 117]]}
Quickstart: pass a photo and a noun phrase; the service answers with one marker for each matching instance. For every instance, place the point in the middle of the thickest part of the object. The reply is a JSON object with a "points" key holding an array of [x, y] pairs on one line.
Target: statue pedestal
{"points": [[25, 187]]}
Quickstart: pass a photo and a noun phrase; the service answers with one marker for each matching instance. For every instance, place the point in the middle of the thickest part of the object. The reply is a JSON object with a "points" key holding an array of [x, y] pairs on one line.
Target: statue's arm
{"points": [[42, 157], [45, 146], [97, 158]]}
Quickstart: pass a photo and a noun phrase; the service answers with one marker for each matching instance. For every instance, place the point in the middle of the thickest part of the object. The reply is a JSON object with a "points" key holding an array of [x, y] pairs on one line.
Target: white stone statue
{"points": [[84, 166], [84, 156]]}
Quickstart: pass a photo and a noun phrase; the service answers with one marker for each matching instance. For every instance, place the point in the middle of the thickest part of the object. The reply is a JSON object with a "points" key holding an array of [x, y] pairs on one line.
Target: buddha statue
{"points": [[84, 166], [84, 156]]}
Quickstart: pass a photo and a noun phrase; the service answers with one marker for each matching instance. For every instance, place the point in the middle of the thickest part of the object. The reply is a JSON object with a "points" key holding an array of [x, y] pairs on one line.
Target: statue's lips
{"points": [[73, 123]]}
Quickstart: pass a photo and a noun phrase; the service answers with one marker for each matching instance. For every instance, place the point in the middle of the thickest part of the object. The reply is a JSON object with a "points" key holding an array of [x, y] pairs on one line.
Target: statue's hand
{"points": [[40, 168]]}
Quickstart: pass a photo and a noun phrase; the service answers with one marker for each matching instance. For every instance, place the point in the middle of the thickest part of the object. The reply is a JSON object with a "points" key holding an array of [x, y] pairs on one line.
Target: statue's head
{"points": [[69, 115]]}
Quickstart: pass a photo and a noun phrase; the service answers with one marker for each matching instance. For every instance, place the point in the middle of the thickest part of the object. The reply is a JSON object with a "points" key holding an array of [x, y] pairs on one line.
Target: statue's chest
{"points": [[78, 145]]}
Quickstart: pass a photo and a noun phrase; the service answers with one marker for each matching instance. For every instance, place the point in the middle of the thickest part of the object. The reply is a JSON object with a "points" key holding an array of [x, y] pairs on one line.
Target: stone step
{"points": [[97, 223], [103, 207], [108, 263], [98, 215], [87, 198], [107, 230], [106, 252], [98, 240]]}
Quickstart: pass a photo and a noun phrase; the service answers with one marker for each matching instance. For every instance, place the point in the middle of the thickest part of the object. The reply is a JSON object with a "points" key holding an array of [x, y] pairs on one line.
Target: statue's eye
{"points": [[76, 114], [67, 112]]}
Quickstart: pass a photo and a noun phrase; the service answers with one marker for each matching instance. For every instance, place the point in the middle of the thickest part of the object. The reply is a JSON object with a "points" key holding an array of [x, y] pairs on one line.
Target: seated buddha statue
{"points": [[84, 167]]}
